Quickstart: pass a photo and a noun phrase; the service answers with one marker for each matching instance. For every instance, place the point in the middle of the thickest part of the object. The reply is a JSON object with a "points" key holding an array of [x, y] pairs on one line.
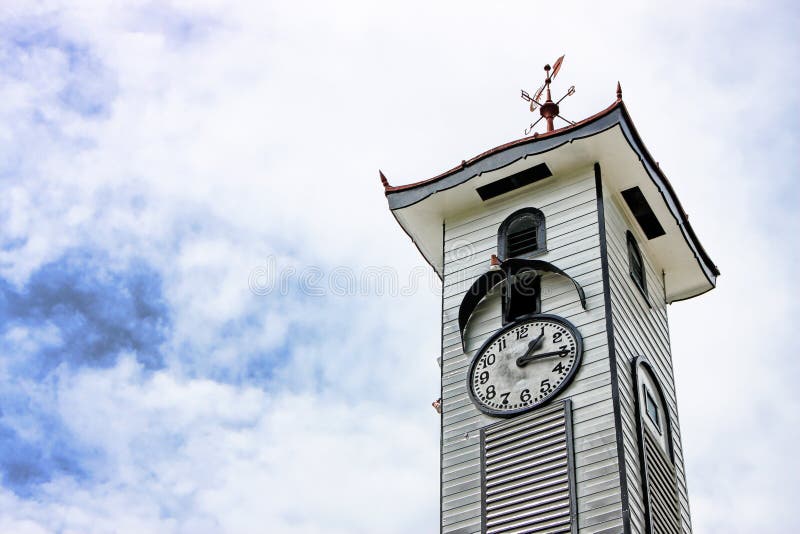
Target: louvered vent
{"points": [[661, 490], [528, 474], [522, 232], [523, 240]]}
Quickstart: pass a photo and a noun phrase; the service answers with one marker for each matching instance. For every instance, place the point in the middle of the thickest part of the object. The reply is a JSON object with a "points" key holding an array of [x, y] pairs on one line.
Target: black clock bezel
{"points": [[510, 326]]}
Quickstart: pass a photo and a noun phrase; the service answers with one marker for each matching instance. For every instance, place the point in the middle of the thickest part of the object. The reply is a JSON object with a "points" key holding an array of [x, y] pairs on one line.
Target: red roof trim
{"points": [[530, 139]]}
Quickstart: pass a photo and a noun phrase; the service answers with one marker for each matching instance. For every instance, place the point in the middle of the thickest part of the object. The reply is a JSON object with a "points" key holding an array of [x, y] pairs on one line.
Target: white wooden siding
{"points": [[569, 204], [640, 330]]}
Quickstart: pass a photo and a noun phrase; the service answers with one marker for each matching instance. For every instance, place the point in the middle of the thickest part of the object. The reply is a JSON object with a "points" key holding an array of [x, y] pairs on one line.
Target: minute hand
{"points": [[527, 358]]}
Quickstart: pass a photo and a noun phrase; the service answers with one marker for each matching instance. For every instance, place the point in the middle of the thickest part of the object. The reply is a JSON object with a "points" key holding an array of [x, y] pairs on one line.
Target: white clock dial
{"points": [[524, 365]]}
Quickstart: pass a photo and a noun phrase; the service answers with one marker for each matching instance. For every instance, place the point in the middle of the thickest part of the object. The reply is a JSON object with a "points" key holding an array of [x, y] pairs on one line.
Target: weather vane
{"points": [[549, 109]]}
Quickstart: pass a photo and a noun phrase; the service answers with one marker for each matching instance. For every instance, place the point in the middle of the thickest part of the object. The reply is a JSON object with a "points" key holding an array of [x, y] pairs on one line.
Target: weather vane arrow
{"points": [[548, 109]]}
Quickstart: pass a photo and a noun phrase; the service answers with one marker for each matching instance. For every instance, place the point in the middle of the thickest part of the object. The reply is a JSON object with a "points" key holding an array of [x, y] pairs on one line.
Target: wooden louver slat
{"points": [[527, 473], [661, 489], [523, 241]]}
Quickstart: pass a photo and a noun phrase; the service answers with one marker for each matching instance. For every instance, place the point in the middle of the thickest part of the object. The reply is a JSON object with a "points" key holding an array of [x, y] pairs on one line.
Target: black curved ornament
{"points": [[488, 280]]}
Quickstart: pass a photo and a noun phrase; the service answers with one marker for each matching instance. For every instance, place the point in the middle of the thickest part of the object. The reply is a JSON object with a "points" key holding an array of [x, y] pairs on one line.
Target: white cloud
{"points": [[236, 132], [179, 455]]}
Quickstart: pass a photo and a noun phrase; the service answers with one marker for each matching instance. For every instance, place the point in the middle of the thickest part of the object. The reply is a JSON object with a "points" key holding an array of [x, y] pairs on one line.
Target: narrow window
{"points": [[521, 296], [522, 233], [657, 468], [636, 265], [651, 408]]}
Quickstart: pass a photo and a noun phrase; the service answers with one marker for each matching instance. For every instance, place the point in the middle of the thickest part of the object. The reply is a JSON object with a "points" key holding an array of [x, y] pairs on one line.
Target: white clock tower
{"points": [[558, 255]]}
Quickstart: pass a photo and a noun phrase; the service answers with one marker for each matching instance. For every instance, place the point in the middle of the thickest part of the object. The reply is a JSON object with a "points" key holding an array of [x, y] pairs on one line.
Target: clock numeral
{"points": [[525, 396], [484, 377], [557, 337], [559, 368], [545, 386], [501, 344], [565, 349], [505, 397], [489, 360], [522, 332], [490, 392]]}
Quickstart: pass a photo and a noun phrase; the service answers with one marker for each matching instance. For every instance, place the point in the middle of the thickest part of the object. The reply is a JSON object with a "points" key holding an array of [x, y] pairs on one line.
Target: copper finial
{"points": [[384, 181], [619, 91], [548, 110]]}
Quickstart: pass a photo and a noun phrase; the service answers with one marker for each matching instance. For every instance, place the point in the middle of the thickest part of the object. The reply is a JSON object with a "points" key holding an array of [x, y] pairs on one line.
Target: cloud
{"points": [[199, 456], [153, 156], [71, 313], [96, 313]]}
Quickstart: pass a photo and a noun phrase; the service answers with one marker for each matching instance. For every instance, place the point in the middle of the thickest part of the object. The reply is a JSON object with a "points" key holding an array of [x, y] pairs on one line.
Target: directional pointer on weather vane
{"points": [[548, 109]]}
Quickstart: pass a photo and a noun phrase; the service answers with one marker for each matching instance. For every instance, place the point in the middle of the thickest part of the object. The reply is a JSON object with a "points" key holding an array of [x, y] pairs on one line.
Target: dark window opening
{"points": [[636, 265], [521, 296], [523, 232], [651, 408]]}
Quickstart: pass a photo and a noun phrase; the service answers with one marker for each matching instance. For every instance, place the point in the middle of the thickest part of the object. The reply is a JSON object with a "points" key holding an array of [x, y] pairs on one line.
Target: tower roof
{"points": [[608, 138]]}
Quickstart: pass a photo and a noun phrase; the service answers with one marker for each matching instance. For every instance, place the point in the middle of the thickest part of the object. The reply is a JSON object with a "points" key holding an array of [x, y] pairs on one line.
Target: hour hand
{"points": [[532, 346]]}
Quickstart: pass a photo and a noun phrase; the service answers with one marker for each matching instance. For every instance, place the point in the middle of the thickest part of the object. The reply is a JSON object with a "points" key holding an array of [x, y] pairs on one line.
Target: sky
{"points": [[209, 319]]}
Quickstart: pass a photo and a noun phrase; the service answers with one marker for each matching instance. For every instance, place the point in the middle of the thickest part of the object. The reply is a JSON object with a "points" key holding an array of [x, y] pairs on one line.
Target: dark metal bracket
{"points": [[509, 268]]}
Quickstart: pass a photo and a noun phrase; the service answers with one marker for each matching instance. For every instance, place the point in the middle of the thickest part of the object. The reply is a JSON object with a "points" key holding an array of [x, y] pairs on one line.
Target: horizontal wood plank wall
{"points": [[570, 206], [640, 329]]}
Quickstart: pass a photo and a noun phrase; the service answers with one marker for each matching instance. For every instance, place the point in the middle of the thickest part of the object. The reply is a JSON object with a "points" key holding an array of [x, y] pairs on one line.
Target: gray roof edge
{"points": [[670, 199], [407, 197]]}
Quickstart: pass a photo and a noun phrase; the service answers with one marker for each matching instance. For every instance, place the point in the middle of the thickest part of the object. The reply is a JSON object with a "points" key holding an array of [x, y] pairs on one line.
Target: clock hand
{"points": [[524, 360], [533, 345]]}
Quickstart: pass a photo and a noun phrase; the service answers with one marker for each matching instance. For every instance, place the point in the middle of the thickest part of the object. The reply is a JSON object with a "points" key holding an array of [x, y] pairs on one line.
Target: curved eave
{"points": [[421, 207], [653, 168], [537, 137]]}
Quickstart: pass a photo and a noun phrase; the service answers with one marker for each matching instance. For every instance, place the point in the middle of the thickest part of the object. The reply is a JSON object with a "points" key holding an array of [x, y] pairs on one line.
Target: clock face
{"points": [[524, 365]]}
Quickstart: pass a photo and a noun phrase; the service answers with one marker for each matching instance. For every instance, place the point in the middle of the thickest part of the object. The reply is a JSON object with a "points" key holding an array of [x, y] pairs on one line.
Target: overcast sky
{"points": [[189, 204]]}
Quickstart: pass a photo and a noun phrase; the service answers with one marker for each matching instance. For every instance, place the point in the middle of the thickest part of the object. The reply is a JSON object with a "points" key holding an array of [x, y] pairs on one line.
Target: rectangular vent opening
{"points": [[528, 473], [510, 183], [643, 213]]}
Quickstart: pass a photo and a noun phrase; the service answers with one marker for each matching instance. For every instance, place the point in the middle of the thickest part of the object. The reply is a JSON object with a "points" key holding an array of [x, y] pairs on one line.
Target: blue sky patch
{"points": [[77, 313], [98, 312], [26, 463]]}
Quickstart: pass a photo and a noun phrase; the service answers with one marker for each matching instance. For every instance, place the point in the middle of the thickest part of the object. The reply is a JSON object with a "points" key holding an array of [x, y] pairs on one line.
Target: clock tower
{"points": [[558, 255]]}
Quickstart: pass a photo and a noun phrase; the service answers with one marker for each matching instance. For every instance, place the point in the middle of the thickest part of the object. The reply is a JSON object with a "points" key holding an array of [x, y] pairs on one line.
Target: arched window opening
{"points": [[659, 477], [522, 233], [636, 264]]}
